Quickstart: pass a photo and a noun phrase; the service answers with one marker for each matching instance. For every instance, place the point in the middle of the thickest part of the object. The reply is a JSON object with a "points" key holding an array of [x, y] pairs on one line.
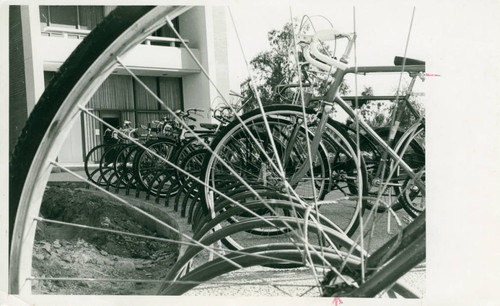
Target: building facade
{"points": [[42, 37]]}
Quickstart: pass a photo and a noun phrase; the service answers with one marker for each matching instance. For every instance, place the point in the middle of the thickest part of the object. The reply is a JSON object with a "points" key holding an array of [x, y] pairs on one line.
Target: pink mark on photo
{"points": [[336, 301], [432, 75]]}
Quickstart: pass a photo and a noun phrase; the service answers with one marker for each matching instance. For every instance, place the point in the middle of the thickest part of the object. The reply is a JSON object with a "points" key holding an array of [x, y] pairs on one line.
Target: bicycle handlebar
{"points": [[330, 61], [321, 60]]}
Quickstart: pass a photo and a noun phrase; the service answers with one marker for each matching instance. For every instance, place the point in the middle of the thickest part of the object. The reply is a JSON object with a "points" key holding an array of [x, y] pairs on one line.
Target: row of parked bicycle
{"points": [[167, 162], [130, 158]]}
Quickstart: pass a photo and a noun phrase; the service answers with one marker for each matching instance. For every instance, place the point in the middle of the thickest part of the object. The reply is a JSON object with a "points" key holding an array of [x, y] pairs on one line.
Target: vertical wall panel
{"points": [[143, 99], [115, 93], [171, 92]]}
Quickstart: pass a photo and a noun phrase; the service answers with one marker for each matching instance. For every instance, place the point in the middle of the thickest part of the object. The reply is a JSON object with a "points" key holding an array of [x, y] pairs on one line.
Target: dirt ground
{"points": [[63, 251]]}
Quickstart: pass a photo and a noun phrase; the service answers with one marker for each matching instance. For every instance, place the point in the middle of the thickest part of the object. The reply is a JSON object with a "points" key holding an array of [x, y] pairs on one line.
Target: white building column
{"points": [[205, 27], [33, 64], [219, 28]]}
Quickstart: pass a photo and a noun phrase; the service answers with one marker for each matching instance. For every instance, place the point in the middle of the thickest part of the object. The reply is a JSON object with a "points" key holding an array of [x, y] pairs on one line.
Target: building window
{"points": [[63, 16], [166, 31], [44, 16], [76, 21], [71, 17]]}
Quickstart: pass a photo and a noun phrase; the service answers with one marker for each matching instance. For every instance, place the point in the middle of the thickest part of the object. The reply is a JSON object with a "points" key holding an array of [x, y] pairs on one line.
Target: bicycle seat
{"points": [[398, 61], [209, 126]]}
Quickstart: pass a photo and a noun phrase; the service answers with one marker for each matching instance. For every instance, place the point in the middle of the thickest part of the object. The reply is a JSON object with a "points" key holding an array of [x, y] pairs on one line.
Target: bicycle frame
{"points": [[332, 95]]}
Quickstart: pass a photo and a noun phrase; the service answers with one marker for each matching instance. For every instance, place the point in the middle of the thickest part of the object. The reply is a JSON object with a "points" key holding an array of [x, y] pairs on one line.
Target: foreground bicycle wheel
{"points": [[38, 146]]}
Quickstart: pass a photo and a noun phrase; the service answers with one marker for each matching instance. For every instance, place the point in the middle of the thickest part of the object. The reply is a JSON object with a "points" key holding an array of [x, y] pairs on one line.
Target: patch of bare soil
{"points": [[62, 251]]}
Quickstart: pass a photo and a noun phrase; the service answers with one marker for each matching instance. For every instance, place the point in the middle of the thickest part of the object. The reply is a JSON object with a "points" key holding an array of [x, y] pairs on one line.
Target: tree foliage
{"points": [[379, 113], [278, 66]]}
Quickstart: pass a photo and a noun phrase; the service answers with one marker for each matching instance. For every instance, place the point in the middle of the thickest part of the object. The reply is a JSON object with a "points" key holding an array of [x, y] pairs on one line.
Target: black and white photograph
{"points": [[249, 152]]}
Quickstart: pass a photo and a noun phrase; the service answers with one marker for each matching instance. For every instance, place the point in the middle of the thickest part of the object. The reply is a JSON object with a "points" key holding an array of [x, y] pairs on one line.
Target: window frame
{"points": [[77, 26]]}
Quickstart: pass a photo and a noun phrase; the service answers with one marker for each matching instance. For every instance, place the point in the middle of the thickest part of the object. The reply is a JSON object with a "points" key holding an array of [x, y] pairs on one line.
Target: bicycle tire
{"points": [[274, 254], [91, 155], [277, 253], [108, 162], [146, 165], [122, 166], [335, 128], [225, 233]]}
